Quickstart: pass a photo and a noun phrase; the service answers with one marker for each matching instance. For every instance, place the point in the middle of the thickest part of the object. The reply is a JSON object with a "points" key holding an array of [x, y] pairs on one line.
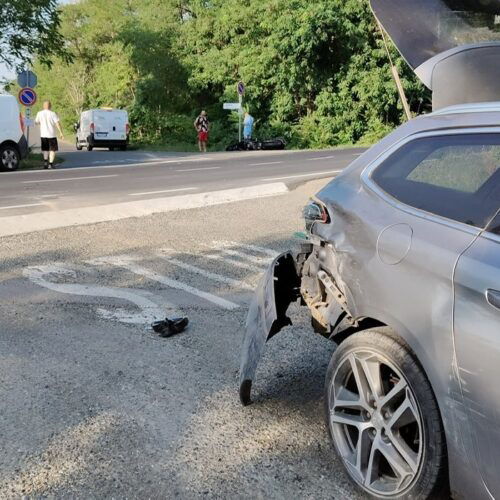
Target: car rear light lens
{"points": [[127, 129], [92, 128], [21, 122], [315, 212]]}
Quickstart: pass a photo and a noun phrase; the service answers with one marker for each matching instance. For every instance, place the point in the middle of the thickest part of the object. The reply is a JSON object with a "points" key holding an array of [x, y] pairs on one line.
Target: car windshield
{"points": [[426, 28]]}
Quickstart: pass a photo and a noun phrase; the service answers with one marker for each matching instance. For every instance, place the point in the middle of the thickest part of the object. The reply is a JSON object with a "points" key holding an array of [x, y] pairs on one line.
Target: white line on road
{"points": [[260, 261], [321, 158], [232, 244], [149, 311], [166, 254], [27, 223], [164, 191], [197, 169], [71, 179], [233, 262], [126, 262], [266, 163], [22, 206], [312, 174]]}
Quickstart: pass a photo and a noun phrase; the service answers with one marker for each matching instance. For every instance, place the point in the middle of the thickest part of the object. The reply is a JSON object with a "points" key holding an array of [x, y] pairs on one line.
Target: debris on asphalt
{"points": [[170, 327]]}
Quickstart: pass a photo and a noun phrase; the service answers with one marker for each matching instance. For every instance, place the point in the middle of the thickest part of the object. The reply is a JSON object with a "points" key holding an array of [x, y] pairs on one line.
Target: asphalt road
{"points": [[94, 405], [102, 178]]}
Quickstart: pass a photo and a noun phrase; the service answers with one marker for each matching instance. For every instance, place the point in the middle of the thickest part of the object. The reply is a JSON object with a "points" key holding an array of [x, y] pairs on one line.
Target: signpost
{"points": [[27, 97], [241, 93], [27, 80], [232, 106]]}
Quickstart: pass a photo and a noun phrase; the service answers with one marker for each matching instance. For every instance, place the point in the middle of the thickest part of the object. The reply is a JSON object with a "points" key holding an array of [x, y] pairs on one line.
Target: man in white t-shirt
{"points": [[49, 126]]}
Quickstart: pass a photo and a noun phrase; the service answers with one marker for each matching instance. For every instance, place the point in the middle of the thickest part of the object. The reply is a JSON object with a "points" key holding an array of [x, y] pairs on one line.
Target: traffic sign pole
{"points": [[27, 80], [240, 112], [241, 92]]}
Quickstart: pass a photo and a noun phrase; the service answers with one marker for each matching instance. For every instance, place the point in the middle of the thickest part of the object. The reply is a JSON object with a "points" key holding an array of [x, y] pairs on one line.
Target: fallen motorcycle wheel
{"points": [[383, 419]]}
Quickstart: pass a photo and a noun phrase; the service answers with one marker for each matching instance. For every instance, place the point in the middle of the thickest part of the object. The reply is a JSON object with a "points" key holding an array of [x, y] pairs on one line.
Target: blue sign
{"points": [[27, 97], [27, 79], [241, 88]]}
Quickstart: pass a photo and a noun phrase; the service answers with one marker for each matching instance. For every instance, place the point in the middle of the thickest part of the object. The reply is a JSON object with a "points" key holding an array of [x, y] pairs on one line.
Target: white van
{"points": [[13, 144], [102, 128]]}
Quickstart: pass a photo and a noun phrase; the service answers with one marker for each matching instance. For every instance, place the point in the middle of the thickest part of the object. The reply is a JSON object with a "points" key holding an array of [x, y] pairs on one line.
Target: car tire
{"points": [[89, 147], [388, 434], [78, 146], [9, 158], [123, 148]]}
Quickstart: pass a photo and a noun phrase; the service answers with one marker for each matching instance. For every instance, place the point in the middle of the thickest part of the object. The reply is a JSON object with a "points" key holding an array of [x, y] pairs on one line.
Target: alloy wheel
{"points": [[376, 423], [9, 159]]}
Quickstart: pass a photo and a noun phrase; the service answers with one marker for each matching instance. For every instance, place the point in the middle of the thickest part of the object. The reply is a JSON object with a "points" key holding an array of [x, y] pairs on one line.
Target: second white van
{"points": [[102, 128]]}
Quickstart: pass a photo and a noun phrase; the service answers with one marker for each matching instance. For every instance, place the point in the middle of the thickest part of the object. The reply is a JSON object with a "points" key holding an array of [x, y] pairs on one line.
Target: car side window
{"points": [[453, 176]]}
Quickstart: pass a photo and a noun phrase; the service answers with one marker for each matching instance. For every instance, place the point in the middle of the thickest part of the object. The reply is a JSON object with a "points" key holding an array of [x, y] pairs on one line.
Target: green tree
{"points": [[316, 72], [30, 28]]}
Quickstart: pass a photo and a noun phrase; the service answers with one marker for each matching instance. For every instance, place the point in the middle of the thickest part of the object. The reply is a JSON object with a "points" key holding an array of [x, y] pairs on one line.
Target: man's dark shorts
{"points": [[50, 144]]}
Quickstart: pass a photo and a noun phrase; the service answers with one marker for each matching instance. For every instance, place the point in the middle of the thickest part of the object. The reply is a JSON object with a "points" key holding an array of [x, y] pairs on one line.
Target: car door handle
{"points": [[493, 297]]}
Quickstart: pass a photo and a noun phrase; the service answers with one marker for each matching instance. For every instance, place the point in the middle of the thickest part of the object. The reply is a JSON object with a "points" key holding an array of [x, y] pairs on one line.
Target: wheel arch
{"points": [[12, 143]]}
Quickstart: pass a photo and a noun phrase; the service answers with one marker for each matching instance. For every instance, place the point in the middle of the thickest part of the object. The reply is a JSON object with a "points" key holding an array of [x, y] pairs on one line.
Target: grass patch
{"points": [[34, 161]]}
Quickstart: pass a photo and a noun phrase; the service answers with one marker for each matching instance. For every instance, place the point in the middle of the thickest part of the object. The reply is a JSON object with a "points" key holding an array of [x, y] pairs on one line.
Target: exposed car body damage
{"points": [[371, 263]]}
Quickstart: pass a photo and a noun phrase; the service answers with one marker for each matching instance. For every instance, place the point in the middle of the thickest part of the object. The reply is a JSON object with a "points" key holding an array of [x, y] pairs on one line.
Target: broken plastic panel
{"points": [[279, 287]]}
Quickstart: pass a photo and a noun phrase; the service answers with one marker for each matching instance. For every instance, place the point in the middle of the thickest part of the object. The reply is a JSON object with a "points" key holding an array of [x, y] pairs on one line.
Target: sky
{"points": [[5, 73]]}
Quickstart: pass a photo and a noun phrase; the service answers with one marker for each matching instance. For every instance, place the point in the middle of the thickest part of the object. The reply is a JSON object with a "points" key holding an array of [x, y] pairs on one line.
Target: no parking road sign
{"points": [[27, 97]]}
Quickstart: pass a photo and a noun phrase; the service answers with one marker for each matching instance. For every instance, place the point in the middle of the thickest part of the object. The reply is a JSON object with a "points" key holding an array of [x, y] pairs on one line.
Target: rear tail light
{"points": [[92, 128], [315, 212], [127, 129], [21, 122]]}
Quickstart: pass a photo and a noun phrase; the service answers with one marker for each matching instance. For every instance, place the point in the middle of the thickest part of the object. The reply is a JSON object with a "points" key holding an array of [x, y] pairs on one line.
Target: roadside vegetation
{"points": [[316, 72], [34, 161]]}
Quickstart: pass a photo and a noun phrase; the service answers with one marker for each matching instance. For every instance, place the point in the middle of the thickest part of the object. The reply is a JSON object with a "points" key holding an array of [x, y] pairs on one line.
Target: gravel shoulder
{"points": [[94, 407]]}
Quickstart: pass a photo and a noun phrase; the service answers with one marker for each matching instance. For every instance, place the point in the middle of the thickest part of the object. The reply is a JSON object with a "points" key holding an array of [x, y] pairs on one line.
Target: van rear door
{"points": [[110, 125]]}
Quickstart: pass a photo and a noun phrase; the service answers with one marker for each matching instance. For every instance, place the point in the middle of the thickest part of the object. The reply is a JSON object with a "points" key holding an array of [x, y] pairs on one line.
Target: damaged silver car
{"points": [[401, 268]]}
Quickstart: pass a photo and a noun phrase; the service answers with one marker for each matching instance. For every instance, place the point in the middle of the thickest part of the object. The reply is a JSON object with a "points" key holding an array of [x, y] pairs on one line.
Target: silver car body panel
{"points": [[396, 265]]}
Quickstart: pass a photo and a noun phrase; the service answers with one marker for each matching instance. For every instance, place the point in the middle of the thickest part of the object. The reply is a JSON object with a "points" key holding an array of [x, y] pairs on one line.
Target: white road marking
{"points": [[233, 262], [298, 176], [260, 261], [232, 244], [358, 154], [43, 220], [145, 163], [321, 158], [164, 191], [71, 179], [149, 310], [266, 163], [197, 169], [22, 206], [166, 254], [127, 262]]}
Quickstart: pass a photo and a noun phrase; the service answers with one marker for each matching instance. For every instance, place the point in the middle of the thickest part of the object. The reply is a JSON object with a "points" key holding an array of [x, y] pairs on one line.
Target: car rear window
{"points": [[453, 176]]}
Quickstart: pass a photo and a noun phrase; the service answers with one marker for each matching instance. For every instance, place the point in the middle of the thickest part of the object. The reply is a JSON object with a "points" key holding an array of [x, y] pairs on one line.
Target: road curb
{"points": [[22, 224]]}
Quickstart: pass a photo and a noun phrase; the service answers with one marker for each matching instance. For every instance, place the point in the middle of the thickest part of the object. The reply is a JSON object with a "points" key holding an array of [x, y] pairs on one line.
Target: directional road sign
{"points": [[232, 106], [27, 79], [27, 96]]}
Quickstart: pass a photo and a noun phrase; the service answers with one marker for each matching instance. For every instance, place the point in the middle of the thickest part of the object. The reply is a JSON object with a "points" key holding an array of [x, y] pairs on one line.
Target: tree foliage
{"points": [[316, 72], [27, 28]]}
